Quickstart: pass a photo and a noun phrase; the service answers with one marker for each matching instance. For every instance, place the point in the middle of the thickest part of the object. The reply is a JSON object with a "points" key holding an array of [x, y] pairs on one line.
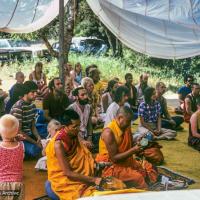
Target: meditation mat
{"points": [[172, 176], [42, 198]]}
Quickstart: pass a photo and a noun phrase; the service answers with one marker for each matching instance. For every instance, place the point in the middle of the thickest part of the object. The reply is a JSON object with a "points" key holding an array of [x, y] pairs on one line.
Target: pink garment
{"points": [[11, 163]]}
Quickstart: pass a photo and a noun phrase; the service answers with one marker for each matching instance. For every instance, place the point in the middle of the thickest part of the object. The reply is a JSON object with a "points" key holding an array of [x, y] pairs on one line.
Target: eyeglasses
{"points": [[59, 84]]}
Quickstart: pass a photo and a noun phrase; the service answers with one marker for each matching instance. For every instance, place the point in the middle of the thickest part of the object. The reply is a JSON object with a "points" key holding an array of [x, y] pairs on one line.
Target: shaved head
{"points": [[125, 111], [124, 116]]}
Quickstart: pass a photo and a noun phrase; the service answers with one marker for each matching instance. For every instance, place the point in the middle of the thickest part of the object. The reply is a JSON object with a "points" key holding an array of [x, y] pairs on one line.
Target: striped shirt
{"points": [[26, 113]]}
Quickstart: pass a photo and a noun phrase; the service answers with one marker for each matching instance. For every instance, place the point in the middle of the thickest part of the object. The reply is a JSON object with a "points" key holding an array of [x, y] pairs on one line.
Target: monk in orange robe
{"points": [[116, 146], [70, 164]]}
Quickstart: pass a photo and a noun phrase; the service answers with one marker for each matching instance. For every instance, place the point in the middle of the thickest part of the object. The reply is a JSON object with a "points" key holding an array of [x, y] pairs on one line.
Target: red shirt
{"points": [[11, 163]]}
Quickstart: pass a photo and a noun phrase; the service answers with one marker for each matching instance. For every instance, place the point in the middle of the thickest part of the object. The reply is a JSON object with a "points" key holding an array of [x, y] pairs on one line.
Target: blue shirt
{"points": [[150, 113], [184, 91]]}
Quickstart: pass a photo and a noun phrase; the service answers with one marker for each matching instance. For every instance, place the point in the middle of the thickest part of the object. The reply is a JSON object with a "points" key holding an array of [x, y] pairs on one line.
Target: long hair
{"points": [[120, 92], [148, 92], [110, 86]]}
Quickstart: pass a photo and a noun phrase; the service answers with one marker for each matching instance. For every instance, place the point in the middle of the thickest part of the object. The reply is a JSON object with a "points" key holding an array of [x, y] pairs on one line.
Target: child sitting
{"points": [[52, 128], [11, 159]]}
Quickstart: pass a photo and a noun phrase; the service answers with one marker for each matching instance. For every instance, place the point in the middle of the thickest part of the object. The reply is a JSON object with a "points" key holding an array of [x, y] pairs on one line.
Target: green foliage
{"points": [[114, 67]]}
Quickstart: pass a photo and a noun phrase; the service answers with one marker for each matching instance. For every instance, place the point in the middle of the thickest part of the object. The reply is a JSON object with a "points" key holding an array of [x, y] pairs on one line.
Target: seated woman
{"points": [[39, 78], [108, 97], [149, 112], [77, 74], [94, 99], [194, 128]]}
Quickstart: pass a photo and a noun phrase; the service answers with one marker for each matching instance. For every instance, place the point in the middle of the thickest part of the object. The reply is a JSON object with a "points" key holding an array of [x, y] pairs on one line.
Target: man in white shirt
{"points": [[121, 97]]}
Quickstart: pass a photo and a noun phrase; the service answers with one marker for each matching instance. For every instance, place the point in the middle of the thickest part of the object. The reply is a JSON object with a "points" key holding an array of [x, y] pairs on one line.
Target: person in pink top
{"points": [[11, 160]]}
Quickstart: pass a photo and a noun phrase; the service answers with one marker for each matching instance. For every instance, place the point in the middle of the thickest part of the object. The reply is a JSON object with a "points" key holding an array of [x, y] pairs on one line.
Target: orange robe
{"points": [[80, 160], [128, 170]]}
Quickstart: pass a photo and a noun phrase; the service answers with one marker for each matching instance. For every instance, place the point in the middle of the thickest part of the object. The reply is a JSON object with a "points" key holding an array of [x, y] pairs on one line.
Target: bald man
{"points": [[116, 146], [143, 84]]}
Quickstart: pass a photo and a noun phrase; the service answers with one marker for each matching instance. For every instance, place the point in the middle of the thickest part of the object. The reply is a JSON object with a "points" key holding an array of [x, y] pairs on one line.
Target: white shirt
{"points": [[111, 113]]}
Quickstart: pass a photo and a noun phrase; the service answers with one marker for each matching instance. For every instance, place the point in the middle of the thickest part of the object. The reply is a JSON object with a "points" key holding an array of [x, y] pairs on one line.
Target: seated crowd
{"points": [[63, 130]]}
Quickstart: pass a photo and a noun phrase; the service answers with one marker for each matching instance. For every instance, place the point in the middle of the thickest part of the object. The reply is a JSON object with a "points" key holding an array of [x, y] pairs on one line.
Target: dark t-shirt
{"points": [[55, 106], [184, 91]]}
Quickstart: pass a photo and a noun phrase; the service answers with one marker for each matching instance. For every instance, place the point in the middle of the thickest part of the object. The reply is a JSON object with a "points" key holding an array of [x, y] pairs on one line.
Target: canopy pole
{"points": [[61, 40]]}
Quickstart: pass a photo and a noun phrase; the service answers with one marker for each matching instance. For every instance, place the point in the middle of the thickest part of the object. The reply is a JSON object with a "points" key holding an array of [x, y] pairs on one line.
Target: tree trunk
{"points": [[119, 49], [48, 45], [69, 32], [111, 40], [61, 40]]}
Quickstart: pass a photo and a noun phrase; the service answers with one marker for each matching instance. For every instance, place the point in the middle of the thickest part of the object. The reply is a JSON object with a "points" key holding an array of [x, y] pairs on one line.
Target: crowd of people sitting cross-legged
{"points": [[61, 133]]}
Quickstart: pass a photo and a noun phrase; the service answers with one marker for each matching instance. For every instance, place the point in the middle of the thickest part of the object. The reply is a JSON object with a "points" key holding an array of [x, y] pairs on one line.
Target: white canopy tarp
{"points": [[25, 16], [158, 28]]}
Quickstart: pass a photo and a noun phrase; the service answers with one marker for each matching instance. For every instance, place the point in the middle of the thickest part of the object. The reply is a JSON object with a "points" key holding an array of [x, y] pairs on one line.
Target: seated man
{"points": [[194, 128], [82, 107], [95, 76], [25, 111], [121, 97], [132, 100], [70, 164], [190, 102], [116, 146], [56, 101], [149, 112], [184, 91], [141, 86], [15, 91], [166, 120]]}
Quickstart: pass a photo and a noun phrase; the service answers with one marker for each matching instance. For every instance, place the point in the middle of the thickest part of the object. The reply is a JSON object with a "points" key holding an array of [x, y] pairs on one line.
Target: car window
{"points": [[18, 43], [4, 44]]}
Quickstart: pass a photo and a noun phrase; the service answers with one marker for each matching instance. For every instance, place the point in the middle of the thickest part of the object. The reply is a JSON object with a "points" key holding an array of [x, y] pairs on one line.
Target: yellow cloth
{"points": [[98, 88], [124, 191], [117, 133], [81, 162]]}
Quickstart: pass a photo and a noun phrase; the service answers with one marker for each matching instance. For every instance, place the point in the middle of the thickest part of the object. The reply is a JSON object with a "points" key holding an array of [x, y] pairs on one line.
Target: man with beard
{"points": [[143, 84], [25, 111], [167, 121], [82, 107], [56, 101]]}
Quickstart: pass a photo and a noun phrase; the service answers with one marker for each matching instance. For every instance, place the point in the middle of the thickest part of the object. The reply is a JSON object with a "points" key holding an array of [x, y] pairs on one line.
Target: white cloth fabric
{"points": [[111, 113], [107, 94], [24, 16], [158, 28], [41, 164], [167, 134]]}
